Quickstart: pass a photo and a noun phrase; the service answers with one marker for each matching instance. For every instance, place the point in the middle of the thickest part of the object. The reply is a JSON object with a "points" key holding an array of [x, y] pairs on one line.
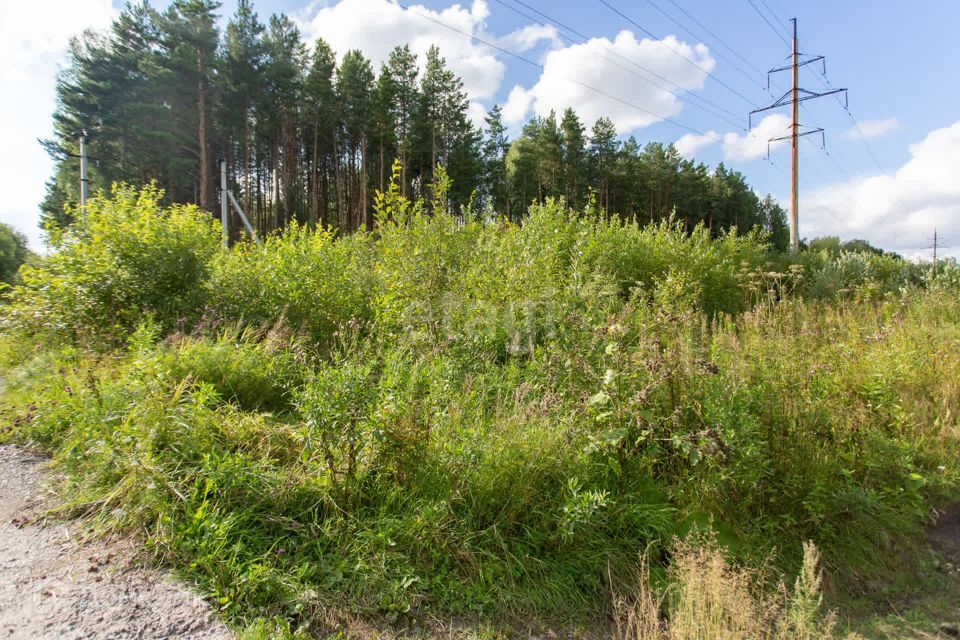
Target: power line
{"points": [[747, 75], [716, 37], [584, 38], [679, 53], [530, 62], [846, 108], [737, 123], [825, 82], [936, 244], [769, 24], [541, 67], [775, 16], [826, 151]]}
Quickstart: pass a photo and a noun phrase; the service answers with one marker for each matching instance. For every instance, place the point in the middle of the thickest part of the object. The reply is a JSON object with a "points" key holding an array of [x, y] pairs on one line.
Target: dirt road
{"points": [[52, 586]]}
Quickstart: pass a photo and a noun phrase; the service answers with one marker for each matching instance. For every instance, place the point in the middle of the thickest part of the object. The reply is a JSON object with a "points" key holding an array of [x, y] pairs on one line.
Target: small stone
{"points": [[950, 629]]}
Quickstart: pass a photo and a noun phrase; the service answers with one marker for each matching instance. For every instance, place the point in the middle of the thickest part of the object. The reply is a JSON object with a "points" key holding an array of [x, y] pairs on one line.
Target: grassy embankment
{"points": [[486, 421]]}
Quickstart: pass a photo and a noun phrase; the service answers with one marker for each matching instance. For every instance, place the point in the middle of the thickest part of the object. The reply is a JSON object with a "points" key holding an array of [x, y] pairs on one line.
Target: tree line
{"points": [[306, 136]]}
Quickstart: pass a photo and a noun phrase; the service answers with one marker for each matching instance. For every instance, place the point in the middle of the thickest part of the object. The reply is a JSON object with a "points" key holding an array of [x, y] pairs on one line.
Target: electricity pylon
{"points": [[794, 97]]}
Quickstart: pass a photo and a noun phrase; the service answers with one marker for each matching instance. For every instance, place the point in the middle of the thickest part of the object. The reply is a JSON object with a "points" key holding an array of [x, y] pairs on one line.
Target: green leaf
{"points": [[614, 436], [600, 397]]}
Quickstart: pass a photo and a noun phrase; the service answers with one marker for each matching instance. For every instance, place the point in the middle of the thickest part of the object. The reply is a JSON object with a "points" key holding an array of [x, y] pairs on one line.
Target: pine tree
{"points": [[628, 179], [444, 128], [775, 222], [549, 145], [322, 116], [522, 169], [402, 70], [574, 167], [355, 96], [284, 74], [189, 34], [160, 95], [243, 81], [495, 148], [384, 125], [603, 155]]}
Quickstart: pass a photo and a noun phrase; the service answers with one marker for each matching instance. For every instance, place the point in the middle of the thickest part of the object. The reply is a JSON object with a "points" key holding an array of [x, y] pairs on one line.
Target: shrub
{"points": [[640, 256], [13, 252], [124, 258], [302, 278]]}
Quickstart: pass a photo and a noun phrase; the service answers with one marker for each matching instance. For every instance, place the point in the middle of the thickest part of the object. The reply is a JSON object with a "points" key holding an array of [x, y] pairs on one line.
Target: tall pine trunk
{"points": [[336, 183], [403, 169], [206, 200], [324, 194], [314, 173], [382, 152], [363, 182], [246, 159]]}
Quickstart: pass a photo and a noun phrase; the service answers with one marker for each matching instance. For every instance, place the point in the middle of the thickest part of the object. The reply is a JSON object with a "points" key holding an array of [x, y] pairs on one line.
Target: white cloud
{"points": [[517, 105], [896, 211], [528, 37], [689, 144], [477, 114], [592, 63], [35, 33], [872, 129], [33, 40], [377, 26], [753, 144]]}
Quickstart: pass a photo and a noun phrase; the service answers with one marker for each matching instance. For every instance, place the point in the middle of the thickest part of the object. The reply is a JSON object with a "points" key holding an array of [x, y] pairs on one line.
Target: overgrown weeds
{"points": [[479, 418]]}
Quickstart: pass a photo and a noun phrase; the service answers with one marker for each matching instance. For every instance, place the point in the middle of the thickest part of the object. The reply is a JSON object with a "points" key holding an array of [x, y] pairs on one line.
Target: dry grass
{"points": [[710, 598]]}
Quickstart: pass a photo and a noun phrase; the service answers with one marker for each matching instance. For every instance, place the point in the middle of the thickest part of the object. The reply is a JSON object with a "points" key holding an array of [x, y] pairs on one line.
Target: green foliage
{"points": [[849, 274], [13, 252], [125, 258], [833, 247], [257, 373], [300, 278], [478, 417], [336, 405]]}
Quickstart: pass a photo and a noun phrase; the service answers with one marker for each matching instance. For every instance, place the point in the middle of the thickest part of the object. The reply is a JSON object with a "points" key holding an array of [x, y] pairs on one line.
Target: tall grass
{"points": [[481, 418], [709, 597]]}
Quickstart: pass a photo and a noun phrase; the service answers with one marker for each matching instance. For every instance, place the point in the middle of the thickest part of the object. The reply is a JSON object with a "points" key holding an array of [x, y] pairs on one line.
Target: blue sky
{"points": [[895, 58]]}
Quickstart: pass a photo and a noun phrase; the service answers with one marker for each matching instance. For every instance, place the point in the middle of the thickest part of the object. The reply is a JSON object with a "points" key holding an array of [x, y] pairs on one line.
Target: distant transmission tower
{"points": [[794, 97], [934, 246]]}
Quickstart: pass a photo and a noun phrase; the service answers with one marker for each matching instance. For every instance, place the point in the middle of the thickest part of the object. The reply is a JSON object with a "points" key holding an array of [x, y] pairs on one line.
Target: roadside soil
{"points": [[932, 610], [54, 585]]}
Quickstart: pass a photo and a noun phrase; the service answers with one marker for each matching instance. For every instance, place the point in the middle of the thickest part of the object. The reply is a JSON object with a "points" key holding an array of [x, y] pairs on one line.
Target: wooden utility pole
{"points": [[84, 180], [226, 199], [224, 205], [794, 97]]}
